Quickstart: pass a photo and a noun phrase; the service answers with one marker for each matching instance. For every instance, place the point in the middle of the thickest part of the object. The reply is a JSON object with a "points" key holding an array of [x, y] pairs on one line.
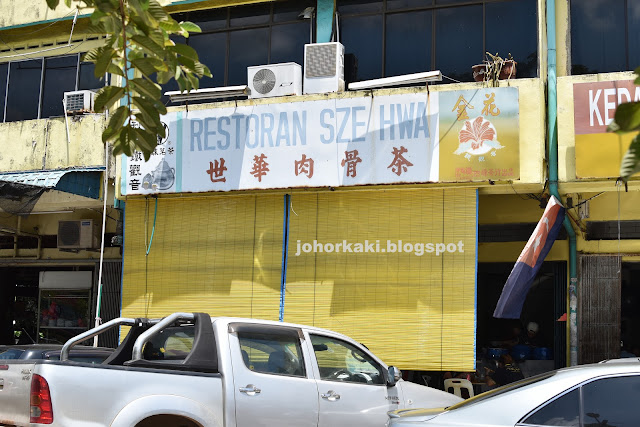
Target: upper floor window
{"points": [[34, 88], [604, 36], [235, 38], [395, 37]]}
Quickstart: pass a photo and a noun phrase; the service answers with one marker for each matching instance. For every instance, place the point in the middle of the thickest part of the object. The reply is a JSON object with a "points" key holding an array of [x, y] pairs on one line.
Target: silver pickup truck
{"points": [[190, 370]]}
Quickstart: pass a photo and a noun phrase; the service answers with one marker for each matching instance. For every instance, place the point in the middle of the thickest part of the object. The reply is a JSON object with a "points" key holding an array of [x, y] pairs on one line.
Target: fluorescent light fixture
{"points": [[406, 79], [208, 93]]}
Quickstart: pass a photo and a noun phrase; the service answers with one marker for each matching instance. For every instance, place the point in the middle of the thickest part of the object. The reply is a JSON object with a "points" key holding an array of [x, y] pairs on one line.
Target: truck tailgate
{"points": [[15, 388]]}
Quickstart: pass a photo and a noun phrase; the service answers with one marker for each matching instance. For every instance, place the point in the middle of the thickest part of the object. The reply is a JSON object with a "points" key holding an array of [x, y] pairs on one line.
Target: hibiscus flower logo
{"points": [[477, 137]]}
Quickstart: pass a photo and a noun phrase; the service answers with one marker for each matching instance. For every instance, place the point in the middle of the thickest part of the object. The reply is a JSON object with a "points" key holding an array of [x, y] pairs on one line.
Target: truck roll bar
{"points": [[64, 354], [144, 337]]}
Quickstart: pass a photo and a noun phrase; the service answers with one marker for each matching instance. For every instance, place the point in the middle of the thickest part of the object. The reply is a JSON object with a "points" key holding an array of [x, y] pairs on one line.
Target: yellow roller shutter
{"points": [[221, 255], [415, 309]]}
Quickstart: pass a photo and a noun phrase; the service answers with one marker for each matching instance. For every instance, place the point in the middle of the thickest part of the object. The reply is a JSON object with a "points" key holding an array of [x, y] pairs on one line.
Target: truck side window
{"points": [[271, 353], [341, 361]]}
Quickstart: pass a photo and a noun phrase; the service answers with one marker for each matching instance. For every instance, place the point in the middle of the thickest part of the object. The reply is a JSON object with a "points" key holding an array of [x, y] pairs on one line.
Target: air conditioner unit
{"points": [[79, 101], [79, 234], [323, 68], [266, 81]]}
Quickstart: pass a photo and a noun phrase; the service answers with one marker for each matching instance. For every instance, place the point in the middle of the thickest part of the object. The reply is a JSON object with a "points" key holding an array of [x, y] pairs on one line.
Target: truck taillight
{"points": [[41, 409]]}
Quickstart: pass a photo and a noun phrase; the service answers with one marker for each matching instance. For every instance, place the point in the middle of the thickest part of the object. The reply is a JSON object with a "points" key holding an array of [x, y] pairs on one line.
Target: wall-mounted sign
{"points": [[337, 142], [479, 135], [598, 153]]}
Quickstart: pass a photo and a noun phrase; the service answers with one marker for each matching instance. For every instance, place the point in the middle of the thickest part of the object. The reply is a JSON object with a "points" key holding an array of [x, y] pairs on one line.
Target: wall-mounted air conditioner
{"points": [[79, 234], [79, 101], [266, 81], [323, 68]]}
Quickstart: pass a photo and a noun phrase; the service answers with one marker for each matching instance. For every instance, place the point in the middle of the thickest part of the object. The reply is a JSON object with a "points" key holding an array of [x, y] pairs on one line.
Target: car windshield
{"points": [[11, 354], [504, 389]]}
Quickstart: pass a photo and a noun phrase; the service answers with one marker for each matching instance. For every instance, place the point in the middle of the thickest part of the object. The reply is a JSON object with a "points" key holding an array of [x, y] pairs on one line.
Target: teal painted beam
{"points": [[326, 11]]}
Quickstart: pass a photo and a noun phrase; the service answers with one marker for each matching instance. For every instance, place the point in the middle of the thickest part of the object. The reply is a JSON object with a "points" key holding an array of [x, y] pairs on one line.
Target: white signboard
{"points": [[337, 142]]}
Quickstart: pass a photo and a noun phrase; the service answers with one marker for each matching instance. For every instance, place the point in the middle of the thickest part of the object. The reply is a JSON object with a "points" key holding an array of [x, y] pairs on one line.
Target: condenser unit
{"points": [[323, 68], [79, 234], [266, 81], [79, 101]]}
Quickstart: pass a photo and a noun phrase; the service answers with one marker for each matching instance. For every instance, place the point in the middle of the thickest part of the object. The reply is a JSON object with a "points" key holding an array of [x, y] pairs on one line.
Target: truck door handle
{"points": [[330, 395], [250, 390]]}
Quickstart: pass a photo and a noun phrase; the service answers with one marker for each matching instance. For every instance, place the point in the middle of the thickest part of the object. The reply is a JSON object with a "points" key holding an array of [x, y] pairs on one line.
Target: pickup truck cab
{"points": [[191, 370]]}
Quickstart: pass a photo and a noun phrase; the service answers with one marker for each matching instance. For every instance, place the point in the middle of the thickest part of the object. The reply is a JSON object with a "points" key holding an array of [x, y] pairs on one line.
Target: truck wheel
{"points": [[167, 421]]}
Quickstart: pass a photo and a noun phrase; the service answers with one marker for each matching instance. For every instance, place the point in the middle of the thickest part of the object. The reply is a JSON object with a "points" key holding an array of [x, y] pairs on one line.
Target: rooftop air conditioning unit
{"points": [[323, 68], [79, 234], [79, 101], [266, 81]]}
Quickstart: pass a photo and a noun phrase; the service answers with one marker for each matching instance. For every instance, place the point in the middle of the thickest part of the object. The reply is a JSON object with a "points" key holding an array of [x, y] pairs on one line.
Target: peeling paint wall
{"points": [[43, 144]]}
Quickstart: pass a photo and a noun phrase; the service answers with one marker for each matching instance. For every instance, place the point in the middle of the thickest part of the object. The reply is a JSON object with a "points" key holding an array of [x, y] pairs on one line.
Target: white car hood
{"points": [[419, 396]]}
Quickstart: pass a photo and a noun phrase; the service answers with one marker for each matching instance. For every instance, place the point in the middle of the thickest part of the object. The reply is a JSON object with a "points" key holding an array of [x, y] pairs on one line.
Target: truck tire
{"points": [[167, 421]]}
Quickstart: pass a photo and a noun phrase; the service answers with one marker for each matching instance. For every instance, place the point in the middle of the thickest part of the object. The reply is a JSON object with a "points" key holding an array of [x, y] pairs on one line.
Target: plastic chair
{"points": [[460, 387]]}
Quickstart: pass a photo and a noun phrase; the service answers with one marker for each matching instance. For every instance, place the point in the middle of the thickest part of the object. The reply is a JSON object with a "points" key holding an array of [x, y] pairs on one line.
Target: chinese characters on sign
{"points": [[354, 141], [480, 135]]}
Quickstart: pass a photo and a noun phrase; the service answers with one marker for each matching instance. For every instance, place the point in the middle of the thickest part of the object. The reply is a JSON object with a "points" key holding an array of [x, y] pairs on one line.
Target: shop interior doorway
{"points": [[19, 302], [543, 350], [629, 313]]}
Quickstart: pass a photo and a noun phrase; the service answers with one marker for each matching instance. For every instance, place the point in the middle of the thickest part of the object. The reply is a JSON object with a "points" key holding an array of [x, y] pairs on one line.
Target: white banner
{"points": [[337, 142]]}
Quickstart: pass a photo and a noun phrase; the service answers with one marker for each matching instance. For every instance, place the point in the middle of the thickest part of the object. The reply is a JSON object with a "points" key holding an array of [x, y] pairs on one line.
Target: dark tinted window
{"points": [[250, 15], [3, 88], [522, 40], [401, 4], [456, 45], [211, 50], [358, 6], [246, 48], [598, 35], [287, 42], [24, 90], [362, 36], [59, 77], [408, 44], [633, 21], [208, 20], [563, 411], [611, 402], [87, 78], [290, 11]]}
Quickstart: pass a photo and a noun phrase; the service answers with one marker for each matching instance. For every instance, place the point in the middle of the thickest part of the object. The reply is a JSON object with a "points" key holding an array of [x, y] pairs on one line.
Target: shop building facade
{"points": [[391, 168]]}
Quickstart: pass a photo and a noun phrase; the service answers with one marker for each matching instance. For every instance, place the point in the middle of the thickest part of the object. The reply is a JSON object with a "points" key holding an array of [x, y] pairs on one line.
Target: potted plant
{"points": [[495, 68]]}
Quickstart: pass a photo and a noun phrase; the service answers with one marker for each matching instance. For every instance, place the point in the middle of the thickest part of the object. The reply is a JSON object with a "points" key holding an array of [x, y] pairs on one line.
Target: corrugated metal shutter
{"points": [[414, 311], [599, 308]]}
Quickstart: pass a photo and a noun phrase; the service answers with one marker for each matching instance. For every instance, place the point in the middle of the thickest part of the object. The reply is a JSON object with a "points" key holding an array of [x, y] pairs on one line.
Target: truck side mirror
{"points": [[394, 376]]}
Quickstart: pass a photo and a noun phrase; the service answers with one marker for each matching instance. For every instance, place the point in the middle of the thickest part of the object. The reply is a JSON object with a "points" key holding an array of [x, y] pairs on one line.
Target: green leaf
{"points": [[631, 161], [121, 144], [116, 122], [52, 4], [114, 69], [171, 26], [149, 66], [149, 45], [105, 55], [144, 139], [107, 96], [627, 116], [152, 108], [157, 11], [150, 125], [163, 77], [146, 88], [184, 50], [190, 27]]}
